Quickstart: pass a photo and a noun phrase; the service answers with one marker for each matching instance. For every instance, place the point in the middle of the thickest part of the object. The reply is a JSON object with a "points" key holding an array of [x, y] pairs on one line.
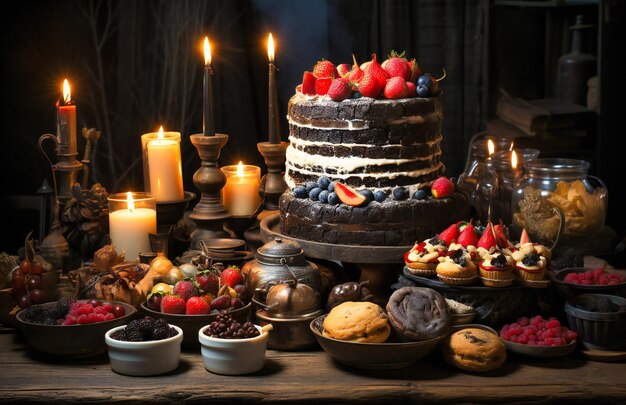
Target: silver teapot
{"points": [[266, 269]]}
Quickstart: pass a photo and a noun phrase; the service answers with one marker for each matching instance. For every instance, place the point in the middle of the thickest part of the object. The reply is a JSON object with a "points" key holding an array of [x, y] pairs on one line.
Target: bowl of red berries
{"points": [[72, 328], [538, 337], [581, 280]]}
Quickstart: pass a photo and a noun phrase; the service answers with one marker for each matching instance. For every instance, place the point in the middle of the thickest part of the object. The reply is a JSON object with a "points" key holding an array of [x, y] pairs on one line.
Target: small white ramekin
{"points": [[144, 358], [233, 356]]}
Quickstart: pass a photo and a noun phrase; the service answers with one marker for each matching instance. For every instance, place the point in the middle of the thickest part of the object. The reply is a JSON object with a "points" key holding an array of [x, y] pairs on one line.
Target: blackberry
{"points": [[134, 335], [604, 304], [63, 307], [436, 241], [499, 261], [569, 257], [531, 259]]}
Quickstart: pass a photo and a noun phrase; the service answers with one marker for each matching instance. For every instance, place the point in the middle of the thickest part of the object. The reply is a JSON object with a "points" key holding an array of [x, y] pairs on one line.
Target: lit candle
{"points": [[208, 123], [491, 148], [129, 228], [66, 122], [241, 192], [273, 119], [165, 168]]}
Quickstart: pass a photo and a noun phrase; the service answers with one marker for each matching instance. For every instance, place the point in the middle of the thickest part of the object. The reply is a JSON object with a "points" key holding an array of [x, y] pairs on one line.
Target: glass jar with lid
{"points": [[557, 200]]}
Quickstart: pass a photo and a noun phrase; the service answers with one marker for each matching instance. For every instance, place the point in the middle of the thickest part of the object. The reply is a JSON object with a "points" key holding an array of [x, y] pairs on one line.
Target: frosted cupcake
{"points": [[496, 270]]}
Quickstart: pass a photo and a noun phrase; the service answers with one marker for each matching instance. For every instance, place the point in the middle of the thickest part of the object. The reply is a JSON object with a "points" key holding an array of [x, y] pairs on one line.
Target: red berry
{"points": [[553, 323], [109, 316], [322, 85], [376, 72], [397, 66], [513, 338], [369, 86], [343, 70], [92, 317], [118, 311], [411, 89], [33, 282], [339, 90], [523, 339], [442, 188], [26, 266], [36, 268], [523, 321], [85, 309], [324, 69], [395, 88], [231, 276], [532, 343], [308, 84]]}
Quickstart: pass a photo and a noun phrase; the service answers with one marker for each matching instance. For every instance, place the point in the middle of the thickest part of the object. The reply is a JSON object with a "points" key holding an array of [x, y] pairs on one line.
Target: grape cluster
{"points": [[225, 327], [145, 329]]}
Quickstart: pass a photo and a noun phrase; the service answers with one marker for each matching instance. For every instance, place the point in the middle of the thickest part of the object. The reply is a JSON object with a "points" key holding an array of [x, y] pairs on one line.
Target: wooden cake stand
{"points": [[376, 263]]}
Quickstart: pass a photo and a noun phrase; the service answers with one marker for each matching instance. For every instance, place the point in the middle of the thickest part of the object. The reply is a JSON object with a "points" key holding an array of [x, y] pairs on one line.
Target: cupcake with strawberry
{"points": [[423, 258], [496, 270], [525, 244]]}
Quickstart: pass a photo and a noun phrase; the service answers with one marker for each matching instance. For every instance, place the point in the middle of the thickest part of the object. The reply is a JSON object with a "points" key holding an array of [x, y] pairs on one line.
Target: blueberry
{"points": [[400, 193], [356, 94], [419, 195], [333, 198], [310, 185], [369, 196], [426, 79], [331, 186], [300, 192], [422, 91], [323, 197], [323, 182], [315, 193], [380, 196]]}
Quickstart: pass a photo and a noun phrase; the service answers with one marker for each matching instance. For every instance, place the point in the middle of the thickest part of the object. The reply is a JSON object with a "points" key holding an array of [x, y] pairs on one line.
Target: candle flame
{"points": [[270, 48], [67, 97], [514, 160], [207, 51], [129, 201], [240, 169], [160, 135], [491, 147]]}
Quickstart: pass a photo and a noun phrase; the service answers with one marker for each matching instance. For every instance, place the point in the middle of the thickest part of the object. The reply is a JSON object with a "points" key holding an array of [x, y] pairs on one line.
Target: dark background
{"points": [[136, 64]]}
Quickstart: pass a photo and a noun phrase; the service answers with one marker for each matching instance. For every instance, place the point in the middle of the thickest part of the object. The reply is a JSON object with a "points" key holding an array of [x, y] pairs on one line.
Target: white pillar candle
{"points": [[166, 172], [129, 229], [241, 193]]}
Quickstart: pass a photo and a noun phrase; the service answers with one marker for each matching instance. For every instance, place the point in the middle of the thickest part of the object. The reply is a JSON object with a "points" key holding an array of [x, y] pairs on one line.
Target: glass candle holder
{"points": [[241, 195], [145, 139], [132, 218]]}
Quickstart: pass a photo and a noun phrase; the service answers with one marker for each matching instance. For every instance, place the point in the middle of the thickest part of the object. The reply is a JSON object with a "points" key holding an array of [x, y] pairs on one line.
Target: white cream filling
{"points": [[357, 124], [301, 143]]}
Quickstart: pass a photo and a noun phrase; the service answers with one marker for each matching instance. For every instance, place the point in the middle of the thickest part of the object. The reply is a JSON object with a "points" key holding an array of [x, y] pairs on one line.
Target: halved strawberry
{"points": [[524, 238], [322, 86], [501, 239], [308, 84], [468, 236], [488, 239]]}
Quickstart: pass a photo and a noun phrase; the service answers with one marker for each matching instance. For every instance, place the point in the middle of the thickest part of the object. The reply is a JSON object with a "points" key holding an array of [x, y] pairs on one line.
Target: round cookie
{"points": [[474, 349], [357, 322], [417, 313]]}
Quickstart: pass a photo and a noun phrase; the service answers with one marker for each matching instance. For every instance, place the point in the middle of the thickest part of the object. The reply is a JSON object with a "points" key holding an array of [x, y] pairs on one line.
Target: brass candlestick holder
{"points": [[209, 214], [65, 170], [273, 183]]}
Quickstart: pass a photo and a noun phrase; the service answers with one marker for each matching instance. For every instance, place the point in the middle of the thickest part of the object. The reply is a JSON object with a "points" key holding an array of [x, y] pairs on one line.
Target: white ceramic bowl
{"points": [[144, 358], [233, 356]]}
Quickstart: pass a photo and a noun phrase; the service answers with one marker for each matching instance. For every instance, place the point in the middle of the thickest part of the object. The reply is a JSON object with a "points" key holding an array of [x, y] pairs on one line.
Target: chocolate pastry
{"points": [[417, 313]]}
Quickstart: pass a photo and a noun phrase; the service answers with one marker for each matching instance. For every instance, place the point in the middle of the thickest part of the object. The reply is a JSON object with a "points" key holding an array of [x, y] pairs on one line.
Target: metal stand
{"points": [[66, 169], [209, 214], [273, 183]]}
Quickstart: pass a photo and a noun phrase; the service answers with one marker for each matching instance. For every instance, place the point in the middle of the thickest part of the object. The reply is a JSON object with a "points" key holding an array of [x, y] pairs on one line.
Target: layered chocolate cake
{"points": [[385, 151]]}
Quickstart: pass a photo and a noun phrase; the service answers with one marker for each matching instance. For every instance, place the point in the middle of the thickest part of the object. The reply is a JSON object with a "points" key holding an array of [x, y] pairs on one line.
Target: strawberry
{"points": [[172, 304], [442, 187], [524, 238], [356, 74], [468, 236], [231, 276], [397, 66], [322, 86], [369, 86], [411, 89], [324, 69], [208, 282], [343, 70], [299, 88], [197, 306], [185, 289], [501, 238], [396, 88], [415, 70], [308, 84], [487, 240], [340, 90], [377, 72], [450, 234]]}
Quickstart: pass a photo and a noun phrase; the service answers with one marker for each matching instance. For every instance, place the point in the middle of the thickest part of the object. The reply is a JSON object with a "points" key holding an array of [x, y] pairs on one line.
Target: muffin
{"points": [[496, 270], [363, 322], [456, 268], [417, 313], [422, 259], [474, 349], [530, 265]]}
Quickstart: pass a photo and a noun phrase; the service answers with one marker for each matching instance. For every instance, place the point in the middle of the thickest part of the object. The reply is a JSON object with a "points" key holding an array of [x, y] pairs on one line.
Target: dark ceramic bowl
{"points": [[598, 330], [567, 290], [372, 356], [71, 340], [191, 324]]}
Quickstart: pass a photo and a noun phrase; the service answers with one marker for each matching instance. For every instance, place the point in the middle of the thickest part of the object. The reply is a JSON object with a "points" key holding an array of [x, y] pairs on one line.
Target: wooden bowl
{"points": [[191, 324], [71, 340], [540, 351], [372, 356]]}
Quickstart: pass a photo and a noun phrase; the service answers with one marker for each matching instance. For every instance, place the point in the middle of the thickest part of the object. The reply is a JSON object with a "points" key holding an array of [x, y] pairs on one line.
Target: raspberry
{"points": [[70, 321], [558, 341], [100, 318], [82, 319], [532, 343], [549, 341], [603, 280], [529, 332], [107, 307], [517, 331], [541, 343], [586, 282], [570, 335], [92, 317], [553, 323], [75, 305], [523, 321], [571, 277], [504, 328], [514, 325], [85, 309], [513, 338], [550, 333], [523, 339], [109, 316], [506, 335]]}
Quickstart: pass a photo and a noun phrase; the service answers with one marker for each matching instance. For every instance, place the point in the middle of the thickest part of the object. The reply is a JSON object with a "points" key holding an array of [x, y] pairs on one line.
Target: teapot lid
{"points": [[279, 248]]}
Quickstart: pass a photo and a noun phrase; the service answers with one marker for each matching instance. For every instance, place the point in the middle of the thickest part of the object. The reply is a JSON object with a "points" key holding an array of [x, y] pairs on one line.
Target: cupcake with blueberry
{"points": [[496, 270], [423, 258], [456, 267], [529, 265]]}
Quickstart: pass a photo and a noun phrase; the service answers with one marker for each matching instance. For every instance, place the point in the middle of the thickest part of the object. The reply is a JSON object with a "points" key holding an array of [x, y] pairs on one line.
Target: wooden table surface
{"points": [[306, 377]]}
